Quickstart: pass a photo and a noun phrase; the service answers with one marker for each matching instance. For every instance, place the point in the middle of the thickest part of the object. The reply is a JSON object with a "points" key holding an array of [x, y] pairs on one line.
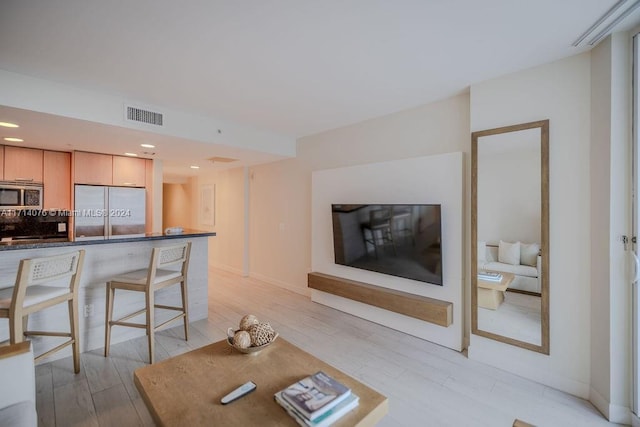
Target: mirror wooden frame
{"points": [[543, 125]]}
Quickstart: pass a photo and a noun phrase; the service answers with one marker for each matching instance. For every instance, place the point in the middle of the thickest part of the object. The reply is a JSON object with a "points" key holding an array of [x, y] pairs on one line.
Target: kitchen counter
{"points": [[33, 244], [105, 259]]}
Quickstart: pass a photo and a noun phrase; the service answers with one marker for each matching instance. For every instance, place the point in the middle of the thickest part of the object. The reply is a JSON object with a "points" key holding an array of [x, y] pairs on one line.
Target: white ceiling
{"points": [[295, 67], [40, 130]]}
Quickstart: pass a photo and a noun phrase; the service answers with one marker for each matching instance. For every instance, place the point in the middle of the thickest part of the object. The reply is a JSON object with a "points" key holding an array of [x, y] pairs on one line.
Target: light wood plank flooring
{"points": [[519, 317], [427, 385]]}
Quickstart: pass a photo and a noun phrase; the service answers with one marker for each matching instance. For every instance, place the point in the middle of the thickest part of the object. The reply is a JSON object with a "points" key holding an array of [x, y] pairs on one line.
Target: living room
{"points": [[559, 91], [272, 229]]}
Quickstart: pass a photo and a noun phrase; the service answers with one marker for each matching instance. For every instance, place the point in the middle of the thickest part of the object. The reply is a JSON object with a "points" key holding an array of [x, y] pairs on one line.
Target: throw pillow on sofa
{"points": [[482, 251], [529, 254], [509, 253]]}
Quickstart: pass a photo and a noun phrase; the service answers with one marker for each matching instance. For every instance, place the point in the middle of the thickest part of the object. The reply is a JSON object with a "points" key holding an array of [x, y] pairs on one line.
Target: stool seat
{"points": [[35, 294], [149, 280], [139, 277]]}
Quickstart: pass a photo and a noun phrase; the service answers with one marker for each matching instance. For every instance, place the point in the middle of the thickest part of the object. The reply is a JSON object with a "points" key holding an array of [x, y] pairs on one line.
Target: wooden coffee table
{"points": [[491, 294], [185, 390]]}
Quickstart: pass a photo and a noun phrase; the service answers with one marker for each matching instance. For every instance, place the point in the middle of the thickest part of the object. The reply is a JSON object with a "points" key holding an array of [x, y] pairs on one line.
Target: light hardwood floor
{"points": [[427, 385], [517, 317]]}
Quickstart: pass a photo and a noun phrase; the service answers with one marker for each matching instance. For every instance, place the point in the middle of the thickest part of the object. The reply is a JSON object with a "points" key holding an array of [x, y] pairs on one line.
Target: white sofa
{"points": [[527, 277], [18, 391]]}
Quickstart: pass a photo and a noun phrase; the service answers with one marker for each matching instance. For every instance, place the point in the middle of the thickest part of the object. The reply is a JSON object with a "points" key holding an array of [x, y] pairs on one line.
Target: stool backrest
{"points": [[47, 269], [380, 216], [37, 271], [167, 256]]}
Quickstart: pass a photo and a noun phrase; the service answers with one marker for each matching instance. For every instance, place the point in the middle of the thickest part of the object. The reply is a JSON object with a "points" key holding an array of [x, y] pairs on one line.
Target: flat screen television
{"points": [[400, 240]]}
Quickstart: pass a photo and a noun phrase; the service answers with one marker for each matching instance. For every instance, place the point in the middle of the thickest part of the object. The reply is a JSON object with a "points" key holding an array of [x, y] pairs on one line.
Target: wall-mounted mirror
{"points": [[510, 235]]}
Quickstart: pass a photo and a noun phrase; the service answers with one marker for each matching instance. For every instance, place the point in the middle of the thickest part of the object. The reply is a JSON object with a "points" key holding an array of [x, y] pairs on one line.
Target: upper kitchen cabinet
{"points": [[57, 177], [129, 171], [22, 164], [1, 161], [93, 168]]}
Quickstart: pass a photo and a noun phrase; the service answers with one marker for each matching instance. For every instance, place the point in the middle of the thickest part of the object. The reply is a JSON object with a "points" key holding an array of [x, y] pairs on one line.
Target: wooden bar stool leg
{"points": [[149, 300], [111, 293], [75, 336], [185, 309], [16, 334]]}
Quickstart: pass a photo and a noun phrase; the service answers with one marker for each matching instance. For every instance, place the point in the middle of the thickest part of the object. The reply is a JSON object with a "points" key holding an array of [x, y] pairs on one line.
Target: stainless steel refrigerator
{"points": [[109, 212]]}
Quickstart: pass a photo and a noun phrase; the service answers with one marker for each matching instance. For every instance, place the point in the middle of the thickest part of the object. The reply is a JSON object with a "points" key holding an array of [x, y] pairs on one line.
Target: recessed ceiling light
{"points": [[147, 145], [14, 139], [9, 125], [195, 167], [131, 154]]}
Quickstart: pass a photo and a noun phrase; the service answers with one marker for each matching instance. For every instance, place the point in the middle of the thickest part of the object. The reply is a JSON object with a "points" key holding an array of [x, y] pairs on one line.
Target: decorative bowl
{"points": [[249, 350]]}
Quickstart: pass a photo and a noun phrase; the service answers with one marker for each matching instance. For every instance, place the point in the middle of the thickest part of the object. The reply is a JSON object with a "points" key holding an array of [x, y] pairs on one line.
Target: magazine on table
{"points": [[490, 276], [327, 418], [314, 395]]}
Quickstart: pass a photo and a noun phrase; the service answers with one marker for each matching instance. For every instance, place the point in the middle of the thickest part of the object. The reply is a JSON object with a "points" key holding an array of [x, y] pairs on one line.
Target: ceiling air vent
{"points": [[135, 114], [221, 159]]}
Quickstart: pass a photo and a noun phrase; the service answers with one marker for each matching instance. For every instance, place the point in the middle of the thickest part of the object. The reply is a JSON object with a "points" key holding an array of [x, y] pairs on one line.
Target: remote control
{"points": [[238, 393]]}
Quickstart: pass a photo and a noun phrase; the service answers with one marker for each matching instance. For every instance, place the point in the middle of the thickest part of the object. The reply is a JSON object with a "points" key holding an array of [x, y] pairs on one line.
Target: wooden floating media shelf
{"points": [[419, 307]]}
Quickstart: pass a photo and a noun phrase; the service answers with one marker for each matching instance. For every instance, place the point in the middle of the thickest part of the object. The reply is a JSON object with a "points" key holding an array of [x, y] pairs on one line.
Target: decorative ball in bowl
{"points": [[252, 335]]}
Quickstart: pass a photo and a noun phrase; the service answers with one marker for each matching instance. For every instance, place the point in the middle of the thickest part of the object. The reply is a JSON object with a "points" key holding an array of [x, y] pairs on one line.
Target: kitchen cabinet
{"points": [[129, 171], [57, 180], [1, 161], [22, 164], [93, 168]]}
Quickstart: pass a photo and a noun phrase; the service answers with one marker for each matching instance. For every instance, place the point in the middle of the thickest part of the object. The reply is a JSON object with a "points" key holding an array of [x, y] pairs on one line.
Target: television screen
{"points": [[400, 240]]}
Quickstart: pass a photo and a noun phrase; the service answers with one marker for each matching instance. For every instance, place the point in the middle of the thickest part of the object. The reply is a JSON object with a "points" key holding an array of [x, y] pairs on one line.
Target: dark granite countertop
{"points": [[19, 245]]}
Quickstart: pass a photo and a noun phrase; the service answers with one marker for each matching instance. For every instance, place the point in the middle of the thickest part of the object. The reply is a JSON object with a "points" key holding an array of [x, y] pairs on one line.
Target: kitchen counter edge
{"points": [[148, 236]]}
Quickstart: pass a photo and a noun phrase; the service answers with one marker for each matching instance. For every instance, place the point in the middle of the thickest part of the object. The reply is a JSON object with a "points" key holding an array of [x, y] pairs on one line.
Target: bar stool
{"points": [[402, 224], [31, 294], [380, 230], [149, 280]]}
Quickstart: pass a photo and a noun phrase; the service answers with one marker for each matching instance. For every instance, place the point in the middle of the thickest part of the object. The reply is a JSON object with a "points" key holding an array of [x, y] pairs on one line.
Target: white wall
{"points": [[620, 214], [509, 187], [280, 223], [227, 250], [600, 219], [176, 203], [280, 194], [610, 208], [156, 217], [434, 179], [560, 92]]}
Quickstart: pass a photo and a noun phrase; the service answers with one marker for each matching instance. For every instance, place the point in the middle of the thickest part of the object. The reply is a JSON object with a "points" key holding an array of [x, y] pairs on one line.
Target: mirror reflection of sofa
{"points": [[521, 259]]}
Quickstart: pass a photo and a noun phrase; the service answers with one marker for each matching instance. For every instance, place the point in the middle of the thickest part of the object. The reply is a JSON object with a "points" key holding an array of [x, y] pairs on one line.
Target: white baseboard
{"points": [[227, 268], [614, 413], [599, 402], [496, 354], [297, 289], [620, 414]]}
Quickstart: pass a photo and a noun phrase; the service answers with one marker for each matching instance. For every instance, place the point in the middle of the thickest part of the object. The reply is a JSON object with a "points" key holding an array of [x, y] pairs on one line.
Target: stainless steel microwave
{"points": [[17, 195]]}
